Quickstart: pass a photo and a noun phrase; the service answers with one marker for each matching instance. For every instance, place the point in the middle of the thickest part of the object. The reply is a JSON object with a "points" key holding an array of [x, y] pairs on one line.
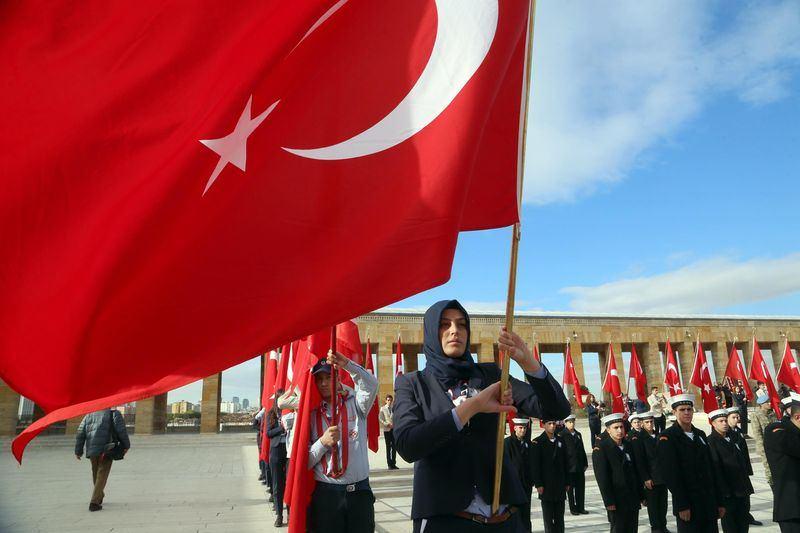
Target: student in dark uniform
{"points": [[633, 431], [685, 461], [518, 450], [655, 491], [576, 466], [782, 446], [445, 421], [550, 476], [730, 467], [615, 471], [736, 434]]}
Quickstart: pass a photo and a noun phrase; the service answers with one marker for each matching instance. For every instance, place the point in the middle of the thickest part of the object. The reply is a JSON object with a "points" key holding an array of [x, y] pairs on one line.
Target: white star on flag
{"points": [[233, 147]]}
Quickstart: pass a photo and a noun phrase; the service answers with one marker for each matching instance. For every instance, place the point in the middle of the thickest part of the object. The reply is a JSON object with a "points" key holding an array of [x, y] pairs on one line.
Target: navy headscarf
{"points": [[447, 370]]}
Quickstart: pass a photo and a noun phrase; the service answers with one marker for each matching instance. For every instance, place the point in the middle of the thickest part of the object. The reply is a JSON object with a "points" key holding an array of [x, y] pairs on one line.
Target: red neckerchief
{"points": [[344, 444]]}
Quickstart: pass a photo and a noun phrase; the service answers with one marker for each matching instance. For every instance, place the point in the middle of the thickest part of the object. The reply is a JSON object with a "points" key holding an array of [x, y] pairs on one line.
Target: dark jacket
{"points": [[576, 454], [519, 453], [646, 455], [615, 472], [782, 447], [550, 467], [593, 413], [730, 466], [94, 432], [687, 470], [274, 431], [451, 464]]}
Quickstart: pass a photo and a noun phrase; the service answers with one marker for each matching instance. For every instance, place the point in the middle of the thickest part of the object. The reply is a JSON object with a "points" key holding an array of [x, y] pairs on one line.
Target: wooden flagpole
{"points": [[512, 271]]}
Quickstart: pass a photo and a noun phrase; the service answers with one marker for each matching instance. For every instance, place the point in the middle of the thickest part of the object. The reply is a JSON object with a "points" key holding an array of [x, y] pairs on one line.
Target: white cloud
{"points": [[612, 80], [703, 286]]}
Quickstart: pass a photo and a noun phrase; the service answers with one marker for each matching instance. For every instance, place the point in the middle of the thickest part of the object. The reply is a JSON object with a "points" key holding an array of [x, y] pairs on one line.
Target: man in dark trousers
{"points": [[737, 435], [518, 450], [95, 433], [615, 471], [730, 467], [550, 476], [655, 491], [445, 422], [685, 461], [782, 446], [576, 466]]}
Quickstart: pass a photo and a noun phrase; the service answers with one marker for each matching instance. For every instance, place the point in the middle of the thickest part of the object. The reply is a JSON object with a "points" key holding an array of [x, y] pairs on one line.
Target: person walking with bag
{"points": [[105, 439]]}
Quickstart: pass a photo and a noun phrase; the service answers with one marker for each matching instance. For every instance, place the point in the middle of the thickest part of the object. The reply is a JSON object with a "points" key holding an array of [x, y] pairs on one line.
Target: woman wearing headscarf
{"points": [[445, 421]]}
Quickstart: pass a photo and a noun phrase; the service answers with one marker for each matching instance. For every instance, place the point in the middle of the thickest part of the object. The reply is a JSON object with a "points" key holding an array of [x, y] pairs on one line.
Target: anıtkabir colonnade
{"points": [[587, 334]]}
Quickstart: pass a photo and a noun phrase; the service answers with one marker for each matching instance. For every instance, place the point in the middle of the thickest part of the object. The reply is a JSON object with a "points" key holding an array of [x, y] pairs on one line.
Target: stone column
{"points": [[686, 351], [651, 364], [151, 415], [9, 410], [209, 409], [72, 425], [719, 353], [486, 352], [385, 363]]}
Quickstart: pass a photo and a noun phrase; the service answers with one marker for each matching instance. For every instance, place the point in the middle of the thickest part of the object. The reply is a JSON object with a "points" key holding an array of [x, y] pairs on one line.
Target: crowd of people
{"points": [[444, 420]]}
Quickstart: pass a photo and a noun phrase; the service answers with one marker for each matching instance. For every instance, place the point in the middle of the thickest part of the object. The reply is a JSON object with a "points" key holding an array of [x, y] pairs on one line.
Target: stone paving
{"points": [[207, 483]]}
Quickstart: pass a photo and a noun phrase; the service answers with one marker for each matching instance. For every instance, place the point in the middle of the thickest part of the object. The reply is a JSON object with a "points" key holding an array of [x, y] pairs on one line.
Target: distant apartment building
{"points": [[25, 409], [182, 407], [245, 404]]}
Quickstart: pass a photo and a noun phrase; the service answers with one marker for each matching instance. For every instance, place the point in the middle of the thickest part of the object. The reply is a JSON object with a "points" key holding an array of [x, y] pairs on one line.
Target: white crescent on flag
{"points": [[464, 34]]}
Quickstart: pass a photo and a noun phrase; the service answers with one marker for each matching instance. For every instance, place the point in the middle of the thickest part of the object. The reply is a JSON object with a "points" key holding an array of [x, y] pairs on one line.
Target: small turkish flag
{"points": [[672, 376], [571, 377], [155, 156], [636, 372], [760, 372], [788, 373], [398, 359], [701, 378], [735, 372], [611, 383]]}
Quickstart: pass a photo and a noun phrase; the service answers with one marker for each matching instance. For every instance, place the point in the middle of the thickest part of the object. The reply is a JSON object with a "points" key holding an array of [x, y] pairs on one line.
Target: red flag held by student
{"points": [[612, 385], [140, 217], [788, 374], [672, 376], [373, 426], [760, 372], [701, 378], [735, 372], [636, 372], [571, 377], [267, 391]]}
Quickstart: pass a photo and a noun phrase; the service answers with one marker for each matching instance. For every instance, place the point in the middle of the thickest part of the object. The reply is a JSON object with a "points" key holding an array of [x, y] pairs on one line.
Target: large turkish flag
{"points": [[135, 258]]}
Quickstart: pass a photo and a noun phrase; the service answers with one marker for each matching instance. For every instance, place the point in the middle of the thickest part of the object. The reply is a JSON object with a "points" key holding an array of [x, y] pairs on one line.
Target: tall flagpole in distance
{"points": [[512, 270]]}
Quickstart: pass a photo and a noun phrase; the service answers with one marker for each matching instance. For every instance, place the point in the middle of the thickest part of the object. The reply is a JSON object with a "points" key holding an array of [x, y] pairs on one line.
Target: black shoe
{"points": [[270, 499], [279, 521], [574, 513], [261, 477], [95, 507], [394, 467], [584, 512], [754, 522]]}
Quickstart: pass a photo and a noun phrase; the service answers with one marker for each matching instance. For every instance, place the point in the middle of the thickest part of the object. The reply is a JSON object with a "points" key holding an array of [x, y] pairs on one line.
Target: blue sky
{"points": [[663, 168]]}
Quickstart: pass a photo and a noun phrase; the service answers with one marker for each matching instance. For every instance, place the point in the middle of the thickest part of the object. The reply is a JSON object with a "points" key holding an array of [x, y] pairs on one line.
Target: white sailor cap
{"points": [[634, 416], [648, 414], [732, 411], [792, 399], [610, 419], [717, 413], [681, 399], [570, 417], [520, 421]]}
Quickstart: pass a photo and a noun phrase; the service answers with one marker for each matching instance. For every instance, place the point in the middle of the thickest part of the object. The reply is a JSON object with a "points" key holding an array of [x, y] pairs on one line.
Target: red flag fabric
{"points": [[760, 372], [536, 353], [612, 385], [735, 372], [139, 217], [701, 378], [788, 374], [267, 391], [571, 377], [283, 380], [636, 372], [672, 376], [373, 425], [398, 359], [300, 479]]}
